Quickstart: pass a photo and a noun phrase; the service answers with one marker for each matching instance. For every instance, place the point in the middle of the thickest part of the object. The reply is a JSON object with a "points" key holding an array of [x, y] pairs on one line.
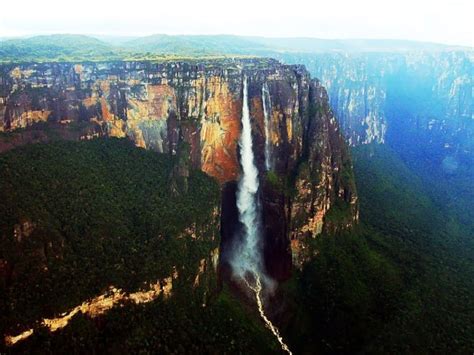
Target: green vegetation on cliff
{"points": [[402, 282], [103, 213]]}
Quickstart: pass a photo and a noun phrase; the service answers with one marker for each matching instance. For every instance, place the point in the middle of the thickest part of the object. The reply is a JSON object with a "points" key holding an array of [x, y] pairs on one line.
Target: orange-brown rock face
{"points": [[157, 106], [324, 186], [220, 131], [196, 108]]}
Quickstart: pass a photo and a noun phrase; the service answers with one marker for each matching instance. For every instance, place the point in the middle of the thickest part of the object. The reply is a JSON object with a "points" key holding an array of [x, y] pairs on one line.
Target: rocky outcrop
{"points": [[196, 107], [324, 197], [155, 105]]}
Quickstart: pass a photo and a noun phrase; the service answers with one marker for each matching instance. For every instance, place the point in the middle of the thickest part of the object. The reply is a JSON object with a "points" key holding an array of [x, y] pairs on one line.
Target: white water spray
{"points": [[266, 114], [247, 260]]}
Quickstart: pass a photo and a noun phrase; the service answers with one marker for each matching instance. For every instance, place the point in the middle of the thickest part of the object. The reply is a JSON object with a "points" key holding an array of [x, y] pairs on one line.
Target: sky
{"points": [[442, 21]]}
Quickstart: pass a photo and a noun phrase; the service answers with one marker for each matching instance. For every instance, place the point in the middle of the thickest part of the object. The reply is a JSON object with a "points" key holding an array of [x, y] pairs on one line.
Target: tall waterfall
{"points": [[248, 258], [247, 263], [266, 114]]}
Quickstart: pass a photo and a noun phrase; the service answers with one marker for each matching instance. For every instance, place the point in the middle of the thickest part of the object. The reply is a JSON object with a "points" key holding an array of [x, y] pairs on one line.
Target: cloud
{"points": [[434, 20]]}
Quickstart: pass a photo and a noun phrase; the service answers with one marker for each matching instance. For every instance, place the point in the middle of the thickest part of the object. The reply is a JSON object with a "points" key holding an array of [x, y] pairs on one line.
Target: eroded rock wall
{"points": [[198, 105]]}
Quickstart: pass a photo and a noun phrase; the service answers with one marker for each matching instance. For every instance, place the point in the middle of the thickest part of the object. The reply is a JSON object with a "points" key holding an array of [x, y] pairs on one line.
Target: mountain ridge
{"points": [[59, 47]]}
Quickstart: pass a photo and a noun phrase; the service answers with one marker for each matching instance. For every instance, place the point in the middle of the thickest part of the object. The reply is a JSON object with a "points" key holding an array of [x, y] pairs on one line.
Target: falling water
{"points": [[247, 258], [247, 261], [266, 114]]}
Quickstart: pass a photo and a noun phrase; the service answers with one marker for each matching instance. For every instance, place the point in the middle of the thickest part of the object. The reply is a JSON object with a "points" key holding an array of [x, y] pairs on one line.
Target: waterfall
{"points": [[246, 262], [266, 114], [248, 258]]}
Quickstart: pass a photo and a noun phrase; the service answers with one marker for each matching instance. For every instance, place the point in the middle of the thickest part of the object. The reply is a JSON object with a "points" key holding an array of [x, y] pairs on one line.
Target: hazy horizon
{"points": [[424, 21], [123, 38]]}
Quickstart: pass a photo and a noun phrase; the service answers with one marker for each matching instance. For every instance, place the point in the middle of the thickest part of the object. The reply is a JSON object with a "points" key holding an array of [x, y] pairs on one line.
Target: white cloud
{"points": [[428, 20]]}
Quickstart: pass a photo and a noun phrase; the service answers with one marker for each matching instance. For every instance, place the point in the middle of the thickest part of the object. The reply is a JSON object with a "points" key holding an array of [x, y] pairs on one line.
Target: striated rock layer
{"points": [[196, 106]]}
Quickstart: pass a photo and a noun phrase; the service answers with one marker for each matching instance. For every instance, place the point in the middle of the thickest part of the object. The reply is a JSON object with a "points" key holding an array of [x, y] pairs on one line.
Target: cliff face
{"points": [[383, 96], [305, 170], [155, 105]]}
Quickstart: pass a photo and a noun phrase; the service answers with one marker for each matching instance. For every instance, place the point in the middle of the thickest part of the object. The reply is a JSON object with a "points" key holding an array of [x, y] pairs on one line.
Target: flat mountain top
{"points": [[69, 47]]}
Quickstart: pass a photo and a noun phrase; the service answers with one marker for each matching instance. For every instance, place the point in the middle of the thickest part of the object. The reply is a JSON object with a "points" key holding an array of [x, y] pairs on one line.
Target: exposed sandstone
{"points": [[194, 106]]}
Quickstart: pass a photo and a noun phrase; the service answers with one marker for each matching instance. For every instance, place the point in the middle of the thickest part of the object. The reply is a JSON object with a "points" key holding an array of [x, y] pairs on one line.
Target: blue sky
{"points": [[446, 21]]}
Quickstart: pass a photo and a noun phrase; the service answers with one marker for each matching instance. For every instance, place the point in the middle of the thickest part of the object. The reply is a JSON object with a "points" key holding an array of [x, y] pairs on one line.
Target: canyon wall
{"points": [[195, 106], [399, 96]]}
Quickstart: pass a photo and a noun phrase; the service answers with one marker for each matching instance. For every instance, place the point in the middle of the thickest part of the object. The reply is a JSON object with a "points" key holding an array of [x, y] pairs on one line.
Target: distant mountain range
{"points": [[64, 47]]}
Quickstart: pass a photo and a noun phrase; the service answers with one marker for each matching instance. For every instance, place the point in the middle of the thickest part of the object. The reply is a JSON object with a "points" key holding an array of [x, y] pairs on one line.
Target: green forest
{"points": [[108, 213], [402, 281]]}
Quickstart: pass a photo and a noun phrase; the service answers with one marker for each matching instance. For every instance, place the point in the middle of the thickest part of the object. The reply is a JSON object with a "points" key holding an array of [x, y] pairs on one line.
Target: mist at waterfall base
{"points": [[246, 260]]}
